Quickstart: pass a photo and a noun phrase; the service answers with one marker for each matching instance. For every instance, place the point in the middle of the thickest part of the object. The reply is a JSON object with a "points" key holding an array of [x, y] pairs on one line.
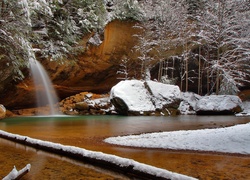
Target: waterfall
{"points": [[45, 93]]}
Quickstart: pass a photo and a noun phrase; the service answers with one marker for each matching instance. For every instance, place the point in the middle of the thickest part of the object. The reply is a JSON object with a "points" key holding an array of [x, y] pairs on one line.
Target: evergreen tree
{"points": [[15, 27], [128, 9], [65, 25]]}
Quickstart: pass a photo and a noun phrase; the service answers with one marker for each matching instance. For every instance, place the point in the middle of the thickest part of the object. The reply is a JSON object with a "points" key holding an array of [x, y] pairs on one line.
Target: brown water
{"points": [[46, 165], [89, 131]]}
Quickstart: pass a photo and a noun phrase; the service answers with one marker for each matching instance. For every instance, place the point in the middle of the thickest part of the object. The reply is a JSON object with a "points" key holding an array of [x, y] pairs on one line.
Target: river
{"points": [[89, 131]]}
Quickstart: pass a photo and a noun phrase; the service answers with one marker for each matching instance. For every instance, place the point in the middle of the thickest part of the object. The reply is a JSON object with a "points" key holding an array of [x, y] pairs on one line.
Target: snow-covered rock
{"points": [[95, 40], [135, 97], [163, 94], [86, 103], [131, 96], [219, 104], [246, 111], [188, 103]]}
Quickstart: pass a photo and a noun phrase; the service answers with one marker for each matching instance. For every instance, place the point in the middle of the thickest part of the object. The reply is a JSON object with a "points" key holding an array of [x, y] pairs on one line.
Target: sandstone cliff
{"points": [[94, 70]]}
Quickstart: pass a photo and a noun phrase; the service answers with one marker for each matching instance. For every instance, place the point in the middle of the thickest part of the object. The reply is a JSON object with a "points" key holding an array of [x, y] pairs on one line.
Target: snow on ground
{"points": [[235, 139], [112, 159]]}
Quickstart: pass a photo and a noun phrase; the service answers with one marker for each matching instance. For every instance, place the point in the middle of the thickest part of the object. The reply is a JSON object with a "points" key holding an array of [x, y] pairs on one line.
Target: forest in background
{"points": [[212, 34]]}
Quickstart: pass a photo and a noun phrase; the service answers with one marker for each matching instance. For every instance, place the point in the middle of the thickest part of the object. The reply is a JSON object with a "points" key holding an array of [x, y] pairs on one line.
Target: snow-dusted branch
{"points": [[15, 174]]}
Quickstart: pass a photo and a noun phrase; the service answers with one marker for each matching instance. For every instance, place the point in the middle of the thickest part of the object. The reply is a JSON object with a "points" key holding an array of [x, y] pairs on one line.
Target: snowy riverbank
{"points": [[235, 139]]}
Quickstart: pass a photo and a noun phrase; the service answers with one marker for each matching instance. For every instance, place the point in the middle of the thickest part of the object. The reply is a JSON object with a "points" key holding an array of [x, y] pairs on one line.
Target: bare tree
{"points": [[225, 31]]}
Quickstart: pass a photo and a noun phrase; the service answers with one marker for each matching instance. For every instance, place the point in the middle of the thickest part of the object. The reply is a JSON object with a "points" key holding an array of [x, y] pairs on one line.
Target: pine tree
{"points": [[15, 26], [128, 9]]}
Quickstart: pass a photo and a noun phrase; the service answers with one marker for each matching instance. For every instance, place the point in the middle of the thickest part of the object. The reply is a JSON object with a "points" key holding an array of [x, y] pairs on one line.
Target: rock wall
{"points": [[95, 70]]}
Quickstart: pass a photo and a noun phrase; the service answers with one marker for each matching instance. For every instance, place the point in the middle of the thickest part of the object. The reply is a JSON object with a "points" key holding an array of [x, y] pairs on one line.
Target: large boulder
{"points": [[131, 97], [219, 104], [164, 95], [134, 97], [188, 103], [2, 111]]}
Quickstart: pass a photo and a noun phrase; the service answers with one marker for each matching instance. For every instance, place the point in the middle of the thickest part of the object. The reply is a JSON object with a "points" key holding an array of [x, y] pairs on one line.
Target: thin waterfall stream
{"points": [[45, 92]]}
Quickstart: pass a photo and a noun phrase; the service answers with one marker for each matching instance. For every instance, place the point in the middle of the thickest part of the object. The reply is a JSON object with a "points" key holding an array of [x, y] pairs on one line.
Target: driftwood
{"points": [[15, 174]]}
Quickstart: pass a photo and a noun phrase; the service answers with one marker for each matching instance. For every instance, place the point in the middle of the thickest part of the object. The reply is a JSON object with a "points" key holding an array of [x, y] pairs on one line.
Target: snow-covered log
{"points": [[123, 165], [15, 174]]}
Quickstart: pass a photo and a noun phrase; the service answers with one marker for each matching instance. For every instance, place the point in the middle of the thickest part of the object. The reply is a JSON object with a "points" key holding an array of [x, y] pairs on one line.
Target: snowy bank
{"points": [[135, 97], [235, 139], [123, 165]]}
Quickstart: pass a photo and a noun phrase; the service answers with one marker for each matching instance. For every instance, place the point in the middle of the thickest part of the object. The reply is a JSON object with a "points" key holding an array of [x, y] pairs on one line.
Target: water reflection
{"points": [[46, 165], [89, 131]]}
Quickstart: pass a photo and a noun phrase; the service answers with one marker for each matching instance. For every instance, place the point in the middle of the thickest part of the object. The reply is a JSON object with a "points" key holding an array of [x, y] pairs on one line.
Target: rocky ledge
{"points": [[142, 98], [87, 103]]}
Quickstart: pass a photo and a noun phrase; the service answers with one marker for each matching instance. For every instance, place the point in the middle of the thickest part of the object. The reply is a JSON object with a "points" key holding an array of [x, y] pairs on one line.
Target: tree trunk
{"points": [[186, 71], [181, 76], [160, 71], [2, 8], [217, 82], [172, 75], [199, 72]]}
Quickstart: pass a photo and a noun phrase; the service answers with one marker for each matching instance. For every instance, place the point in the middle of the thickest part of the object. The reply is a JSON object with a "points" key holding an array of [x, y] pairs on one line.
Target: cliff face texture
{"points": [[95, 70]]}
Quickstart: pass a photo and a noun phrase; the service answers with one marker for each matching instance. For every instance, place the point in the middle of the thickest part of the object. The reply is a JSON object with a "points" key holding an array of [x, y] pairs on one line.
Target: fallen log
{"points": [[15, 174], [128, 167]]}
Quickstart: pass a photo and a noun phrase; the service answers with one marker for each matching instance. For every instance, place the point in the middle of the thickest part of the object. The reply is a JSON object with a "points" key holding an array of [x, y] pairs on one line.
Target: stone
{"points": [[164, 95], [2, 111], [82, 106], [86, 103], [219, 104], [130, 97], [188, 103], [135, 97]]}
